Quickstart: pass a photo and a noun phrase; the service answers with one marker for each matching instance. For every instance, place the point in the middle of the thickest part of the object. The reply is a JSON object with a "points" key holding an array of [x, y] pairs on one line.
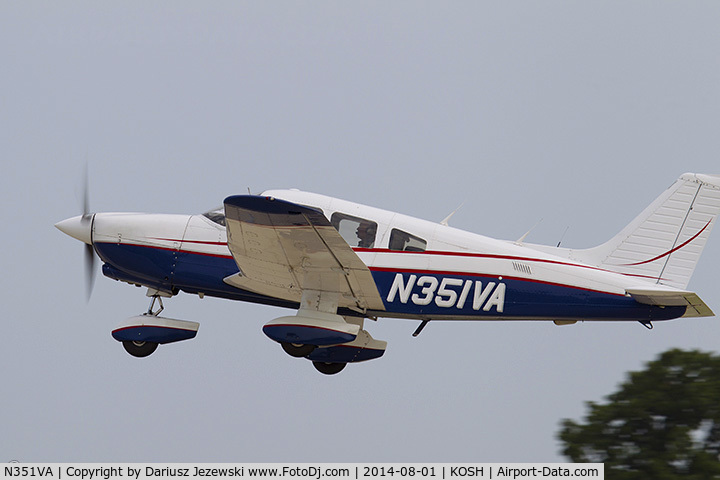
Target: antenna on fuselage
{"points": [[563, 236], [447, 219], [420, 328], [520, 240]]}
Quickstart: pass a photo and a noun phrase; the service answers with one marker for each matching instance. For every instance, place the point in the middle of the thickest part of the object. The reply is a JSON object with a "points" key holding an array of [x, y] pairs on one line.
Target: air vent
{"points": [[522, 268]]}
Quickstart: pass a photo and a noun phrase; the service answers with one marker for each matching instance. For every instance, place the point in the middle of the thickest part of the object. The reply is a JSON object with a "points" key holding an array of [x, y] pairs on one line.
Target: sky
{"points": [[576, 113]]}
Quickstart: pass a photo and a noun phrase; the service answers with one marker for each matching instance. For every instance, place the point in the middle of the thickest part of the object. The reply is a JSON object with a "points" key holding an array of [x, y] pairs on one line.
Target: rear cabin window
{"points": [[357, 232], [405, 242]]}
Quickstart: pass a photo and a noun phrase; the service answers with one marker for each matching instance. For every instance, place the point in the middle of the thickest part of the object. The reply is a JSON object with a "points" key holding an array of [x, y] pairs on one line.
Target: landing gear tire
{"points": [[139, 349], [329, 368], [298, 350]]}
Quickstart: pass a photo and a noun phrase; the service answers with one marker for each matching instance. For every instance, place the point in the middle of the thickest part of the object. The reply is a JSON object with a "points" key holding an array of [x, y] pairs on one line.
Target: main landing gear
{"points": [[327, 340], [297, 350], [329, 368]]}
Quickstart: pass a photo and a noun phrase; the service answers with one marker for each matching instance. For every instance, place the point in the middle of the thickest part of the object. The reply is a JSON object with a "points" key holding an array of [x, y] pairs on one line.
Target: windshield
{"points": [[216, 215]]}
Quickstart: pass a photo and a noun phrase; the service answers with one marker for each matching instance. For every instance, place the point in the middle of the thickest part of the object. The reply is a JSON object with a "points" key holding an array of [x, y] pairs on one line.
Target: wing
{"points": [[283, 249], [672, 298]]}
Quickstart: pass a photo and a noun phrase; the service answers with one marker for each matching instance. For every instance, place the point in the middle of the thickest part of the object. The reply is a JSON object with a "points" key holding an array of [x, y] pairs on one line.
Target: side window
{"points": [[406, 242], [357, 232]]}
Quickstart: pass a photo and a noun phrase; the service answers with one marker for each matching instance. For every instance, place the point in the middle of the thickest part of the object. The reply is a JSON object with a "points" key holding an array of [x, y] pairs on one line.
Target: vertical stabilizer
{"points": [[663, 244]]}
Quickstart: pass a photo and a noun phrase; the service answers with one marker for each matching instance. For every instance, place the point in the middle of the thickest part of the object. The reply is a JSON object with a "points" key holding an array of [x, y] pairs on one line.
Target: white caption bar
{"points": [[300, 471]]}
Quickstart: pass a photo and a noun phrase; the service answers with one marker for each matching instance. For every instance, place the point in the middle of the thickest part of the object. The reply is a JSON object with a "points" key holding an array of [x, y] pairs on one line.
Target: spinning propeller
{"points": [[80, 227], [87, 220]]}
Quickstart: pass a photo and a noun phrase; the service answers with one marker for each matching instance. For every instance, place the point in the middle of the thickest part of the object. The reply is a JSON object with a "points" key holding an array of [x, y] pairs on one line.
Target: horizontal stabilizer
{"points": [[672, 298]]}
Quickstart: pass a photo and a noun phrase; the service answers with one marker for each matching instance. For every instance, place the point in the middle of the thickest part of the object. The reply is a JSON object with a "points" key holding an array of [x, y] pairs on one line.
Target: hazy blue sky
{"points": [[579, 113]]}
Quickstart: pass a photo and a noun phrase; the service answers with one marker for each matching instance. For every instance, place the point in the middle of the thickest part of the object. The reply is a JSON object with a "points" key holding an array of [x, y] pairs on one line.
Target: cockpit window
{"points": [[216, 215], [357, 232], [405, 242]]}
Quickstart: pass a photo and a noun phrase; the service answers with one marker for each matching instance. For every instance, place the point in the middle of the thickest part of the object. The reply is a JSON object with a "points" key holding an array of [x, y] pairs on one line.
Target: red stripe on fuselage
{"points": [[170, 249], [421, 272], [489, 275], [201, 242], [499, 257]]}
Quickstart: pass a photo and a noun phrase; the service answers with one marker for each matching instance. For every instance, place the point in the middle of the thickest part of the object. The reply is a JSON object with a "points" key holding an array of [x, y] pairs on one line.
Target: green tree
{"points": [[662, 423]]}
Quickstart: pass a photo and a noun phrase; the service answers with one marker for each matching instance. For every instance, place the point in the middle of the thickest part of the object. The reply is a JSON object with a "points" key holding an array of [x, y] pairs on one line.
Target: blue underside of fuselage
{"points": [[463, 296], [468, 296], [170, 271]]}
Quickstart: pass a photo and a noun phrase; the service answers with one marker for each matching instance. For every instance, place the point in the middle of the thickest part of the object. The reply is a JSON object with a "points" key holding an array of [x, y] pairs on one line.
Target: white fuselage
{"points": [[442, 273]]}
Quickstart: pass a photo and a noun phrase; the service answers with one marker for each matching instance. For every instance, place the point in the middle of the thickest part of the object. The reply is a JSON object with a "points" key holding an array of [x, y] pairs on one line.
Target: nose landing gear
{"points": [[161, 307], [139, 349], [142, 334]]}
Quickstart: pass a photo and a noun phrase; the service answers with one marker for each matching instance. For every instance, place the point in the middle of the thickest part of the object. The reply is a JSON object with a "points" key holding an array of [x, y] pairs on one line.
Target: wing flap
{"points": [[672, 298], [283, 248]]}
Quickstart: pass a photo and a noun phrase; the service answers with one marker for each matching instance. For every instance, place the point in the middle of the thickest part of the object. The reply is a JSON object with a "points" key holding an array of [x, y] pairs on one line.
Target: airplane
{"points": [[339, 263]]}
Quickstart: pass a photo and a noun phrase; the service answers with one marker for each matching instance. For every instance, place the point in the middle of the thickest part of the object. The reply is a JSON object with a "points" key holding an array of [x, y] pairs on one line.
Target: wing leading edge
{"points": [[284, 249]]}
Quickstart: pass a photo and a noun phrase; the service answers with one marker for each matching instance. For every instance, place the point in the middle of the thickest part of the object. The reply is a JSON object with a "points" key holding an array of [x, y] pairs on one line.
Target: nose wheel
{"points": [[139, 349]]}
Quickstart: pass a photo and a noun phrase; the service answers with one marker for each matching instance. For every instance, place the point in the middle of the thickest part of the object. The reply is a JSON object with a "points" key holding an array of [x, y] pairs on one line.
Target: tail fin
{"points": [[665, 241]]}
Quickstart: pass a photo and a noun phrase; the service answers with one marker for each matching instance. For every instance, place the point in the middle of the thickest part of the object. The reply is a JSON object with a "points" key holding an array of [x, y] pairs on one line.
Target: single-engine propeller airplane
{"points": [[338, 263]]}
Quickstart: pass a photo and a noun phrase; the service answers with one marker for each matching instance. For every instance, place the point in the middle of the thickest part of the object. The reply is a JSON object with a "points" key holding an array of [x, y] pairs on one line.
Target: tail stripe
{"points": [[665, 241], [669, 251]]}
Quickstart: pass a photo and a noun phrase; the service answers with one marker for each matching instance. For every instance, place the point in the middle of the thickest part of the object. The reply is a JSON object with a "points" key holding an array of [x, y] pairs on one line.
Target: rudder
{"points": [[664, 242]]}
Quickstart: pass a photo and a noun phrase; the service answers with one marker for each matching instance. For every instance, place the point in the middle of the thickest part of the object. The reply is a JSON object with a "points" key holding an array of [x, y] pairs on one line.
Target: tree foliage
{"points": [[662, 423]]}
